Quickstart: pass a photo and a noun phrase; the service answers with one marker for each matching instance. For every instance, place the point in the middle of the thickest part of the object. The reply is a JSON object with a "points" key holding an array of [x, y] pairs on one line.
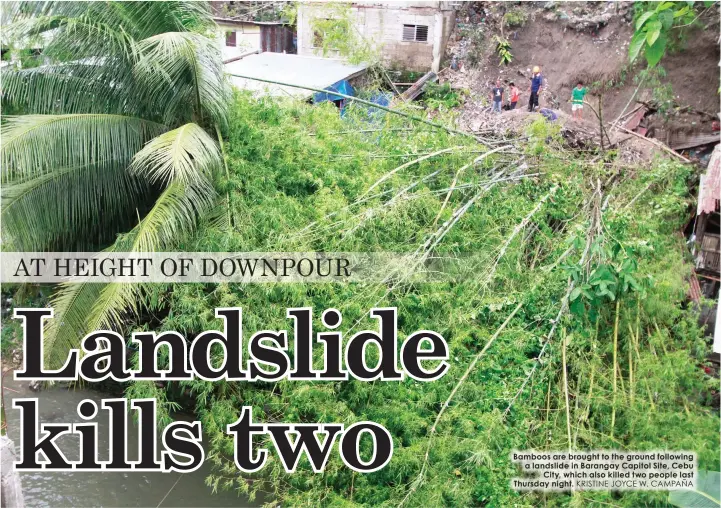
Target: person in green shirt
{"points": [[577, 96]]}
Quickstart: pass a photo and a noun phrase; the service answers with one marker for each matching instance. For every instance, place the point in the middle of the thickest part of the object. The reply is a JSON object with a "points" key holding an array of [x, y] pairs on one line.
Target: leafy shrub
{"points": [[503, 49], [515, 17], [437, 96]]}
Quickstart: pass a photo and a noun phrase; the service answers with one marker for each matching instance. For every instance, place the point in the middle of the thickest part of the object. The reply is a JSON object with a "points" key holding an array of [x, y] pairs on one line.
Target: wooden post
{"points": [[600, 119]]}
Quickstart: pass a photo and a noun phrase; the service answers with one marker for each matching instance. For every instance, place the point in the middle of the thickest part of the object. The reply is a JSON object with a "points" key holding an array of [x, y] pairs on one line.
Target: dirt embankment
{"points": [[585, 41]]}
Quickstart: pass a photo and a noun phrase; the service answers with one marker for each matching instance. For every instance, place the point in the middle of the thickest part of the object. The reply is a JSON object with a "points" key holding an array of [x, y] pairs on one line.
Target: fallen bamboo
{"points": [[564, 344], [367, 103], [518, 229], [455, 178], [561, 311], [615, 363], [407, 164], [623, 112], [463, 378], [360, 131]]}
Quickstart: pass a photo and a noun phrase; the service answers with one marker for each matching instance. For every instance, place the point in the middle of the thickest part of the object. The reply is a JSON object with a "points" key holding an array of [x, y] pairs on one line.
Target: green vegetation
{"points": [[116, 147], [441, 96], [334, 32], [654, 24], [503, 49], [568, 327], [515, 17], [599, 238]]}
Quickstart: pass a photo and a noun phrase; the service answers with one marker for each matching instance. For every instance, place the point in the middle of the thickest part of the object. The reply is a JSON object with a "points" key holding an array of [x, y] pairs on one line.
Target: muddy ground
{"points": [[585, 41]]}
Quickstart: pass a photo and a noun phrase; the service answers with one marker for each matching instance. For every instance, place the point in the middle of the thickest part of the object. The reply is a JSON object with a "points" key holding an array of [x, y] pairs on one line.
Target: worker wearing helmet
{"points": [[536, 85]]}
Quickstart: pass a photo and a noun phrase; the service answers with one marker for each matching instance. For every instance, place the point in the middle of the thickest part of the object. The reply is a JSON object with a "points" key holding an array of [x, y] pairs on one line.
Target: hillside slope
{"points": [[585, 41]]}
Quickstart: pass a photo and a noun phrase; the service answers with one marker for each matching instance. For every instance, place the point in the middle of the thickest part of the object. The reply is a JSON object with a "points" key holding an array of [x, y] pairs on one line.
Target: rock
{"points": [[11, 493]]}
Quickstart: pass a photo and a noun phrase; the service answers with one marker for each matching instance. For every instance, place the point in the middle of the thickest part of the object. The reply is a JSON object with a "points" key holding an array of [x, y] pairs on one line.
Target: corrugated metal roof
{"points": [[680, 141], [302, 70]]}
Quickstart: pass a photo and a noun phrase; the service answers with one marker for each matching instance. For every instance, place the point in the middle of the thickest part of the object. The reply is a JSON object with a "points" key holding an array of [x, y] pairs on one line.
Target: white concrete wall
{"points": [[247, 38], [382, 25]]}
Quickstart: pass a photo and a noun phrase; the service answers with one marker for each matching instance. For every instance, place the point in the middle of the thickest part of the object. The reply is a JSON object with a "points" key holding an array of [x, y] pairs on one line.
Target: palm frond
{"points": [[89, 86], [187, 155], [69, 325], [59, 210], [83, 307], [178, 66], [174, 215], [36, 144], [96, 43]]}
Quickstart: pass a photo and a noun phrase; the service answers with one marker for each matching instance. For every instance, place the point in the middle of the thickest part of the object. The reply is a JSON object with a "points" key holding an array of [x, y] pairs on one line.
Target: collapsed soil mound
{"points": [[585, 41]]}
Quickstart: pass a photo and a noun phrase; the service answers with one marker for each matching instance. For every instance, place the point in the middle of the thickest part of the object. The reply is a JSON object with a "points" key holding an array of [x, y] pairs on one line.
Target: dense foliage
{"points": [[586, 253], [114, 144], [657, 24]]}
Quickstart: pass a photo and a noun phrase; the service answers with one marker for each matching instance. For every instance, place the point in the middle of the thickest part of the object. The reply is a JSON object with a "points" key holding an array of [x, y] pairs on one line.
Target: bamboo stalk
{"points": [[548, 401], [630, 366], [518, 229], [615, 361], [463, 378], [660, 337], [640, 82], [407, 164], [587, 412], [648, 388], [656, 143], [564, 343], [455, 178], [360, 131], [561, 311]]}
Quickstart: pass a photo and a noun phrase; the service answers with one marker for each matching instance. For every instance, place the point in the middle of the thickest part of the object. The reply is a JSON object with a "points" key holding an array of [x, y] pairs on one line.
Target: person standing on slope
{"points": [[577, 96], [515, 92], [497, 96], [536, 85]]}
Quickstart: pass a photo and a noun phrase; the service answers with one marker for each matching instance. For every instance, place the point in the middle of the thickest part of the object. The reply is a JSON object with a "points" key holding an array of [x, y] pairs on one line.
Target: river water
{"points": [[106, 489]]}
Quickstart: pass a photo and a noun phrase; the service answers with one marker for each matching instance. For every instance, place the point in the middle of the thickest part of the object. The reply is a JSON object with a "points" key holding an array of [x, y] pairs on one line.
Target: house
{"points": [[706, 236], [238, 37], [410, 35], [314, 72]]}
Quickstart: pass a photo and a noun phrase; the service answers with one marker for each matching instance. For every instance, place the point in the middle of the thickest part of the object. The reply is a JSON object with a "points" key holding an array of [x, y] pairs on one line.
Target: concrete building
{"points": [[238, 37], [410, 35]]}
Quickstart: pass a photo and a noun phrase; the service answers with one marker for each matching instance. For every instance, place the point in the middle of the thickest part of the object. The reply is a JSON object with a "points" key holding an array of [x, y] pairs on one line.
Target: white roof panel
{"points": [[301, 70]]}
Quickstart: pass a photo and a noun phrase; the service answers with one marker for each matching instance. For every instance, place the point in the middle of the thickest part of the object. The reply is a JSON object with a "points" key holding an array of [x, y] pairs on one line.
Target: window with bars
{"points": [[415, 33], [230, 39]]}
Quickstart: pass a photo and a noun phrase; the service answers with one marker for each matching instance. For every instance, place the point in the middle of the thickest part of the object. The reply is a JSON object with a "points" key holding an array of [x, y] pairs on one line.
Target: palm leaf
{"points": [[706, 495], [179, 68], [174, 215], [59, 210], [84, 307], [187, 155], [36, 144], [75, 87]]}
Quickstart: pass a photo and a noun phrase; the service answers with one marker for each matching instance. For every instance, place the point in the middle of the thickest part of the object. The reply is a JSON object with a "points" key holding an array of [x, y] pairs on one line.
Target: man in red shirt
{"points": [[515, 93]]}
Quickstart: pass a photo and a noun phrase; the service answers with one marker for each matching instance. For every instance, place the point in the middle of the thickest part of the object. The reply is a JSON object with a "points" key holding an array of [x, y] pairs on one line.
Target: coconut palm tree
{"points": [[114, 147]]}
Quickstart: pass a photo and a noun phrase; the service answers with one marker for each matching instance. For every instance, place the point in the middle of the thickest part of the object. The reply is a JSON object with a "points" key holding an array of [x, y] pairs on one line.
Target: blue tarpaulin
{"points": [[342, 86], [549, 114]]}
